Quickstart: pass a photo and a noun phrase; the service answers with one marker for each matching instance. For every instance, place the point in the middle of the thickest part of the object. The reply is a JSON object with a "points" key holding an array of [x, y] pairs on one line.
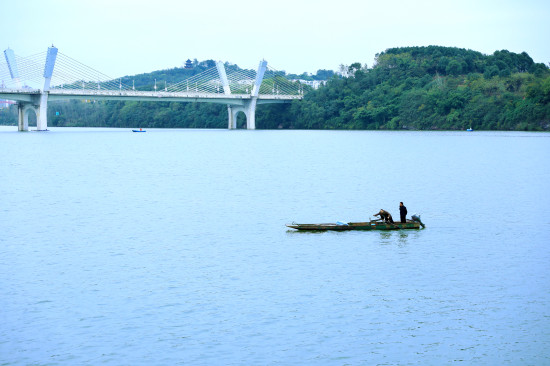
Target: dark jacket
{"points": [[402, 211], [384, 215]]}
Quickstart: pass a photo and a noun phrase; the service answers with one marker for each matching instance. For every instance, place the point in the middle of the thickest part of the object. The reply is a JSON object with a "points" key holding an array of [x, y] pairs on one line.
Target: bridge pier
{"points": [[42, 116], [40, 109], [23, 109], [23, 115], [249, 110]]}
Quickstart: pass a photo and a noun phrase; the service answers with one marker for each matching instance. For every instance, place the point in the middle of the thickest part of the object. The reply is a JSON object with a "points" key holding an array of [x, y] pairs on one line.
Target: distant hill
{"points": [[432, 88]]}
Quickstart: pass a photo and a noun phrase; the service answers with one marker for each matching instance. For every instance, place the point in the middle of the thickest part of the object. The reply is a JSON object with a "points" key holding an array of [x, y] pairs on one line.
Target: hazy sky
{"points": [[126, 37]]}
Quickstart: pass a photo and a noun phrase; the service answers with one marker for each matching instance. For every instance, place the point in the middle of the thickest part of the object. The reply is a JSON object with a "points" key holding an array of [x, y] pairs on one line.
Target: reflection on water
{"points": [[395, 236], [403, 235], [386, 236]]}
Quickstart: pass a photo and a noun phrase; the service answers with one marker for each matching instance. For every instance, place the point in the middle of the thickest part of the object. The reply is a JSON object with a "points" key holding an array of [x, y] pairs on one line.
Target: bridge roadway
{"points": [[33, 95]]}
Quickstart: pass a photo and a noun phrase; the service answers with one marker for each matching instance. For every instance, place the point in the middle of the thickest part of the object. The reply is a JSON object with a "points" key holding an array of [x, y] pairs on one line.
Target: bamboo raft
{"points": [[370, 225]]}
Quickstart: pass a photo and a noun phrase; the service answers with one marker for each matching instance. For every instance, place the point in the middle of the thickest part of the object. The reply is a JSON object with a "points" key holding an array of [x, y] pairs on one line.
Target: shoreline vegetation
{"points": [[408, 88]]}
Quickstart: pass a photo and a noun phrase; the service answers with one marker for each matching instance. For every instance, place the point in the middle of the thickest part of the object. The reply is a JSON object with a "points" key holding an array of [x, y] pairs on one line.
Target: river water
{"points": [[170, 248]]}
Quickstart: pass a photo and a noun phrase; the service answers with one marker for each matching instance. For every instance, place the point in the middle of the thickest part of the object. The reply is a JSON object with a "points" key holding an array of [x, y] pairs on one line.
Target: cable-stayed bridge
{"points": [[34, 80]]}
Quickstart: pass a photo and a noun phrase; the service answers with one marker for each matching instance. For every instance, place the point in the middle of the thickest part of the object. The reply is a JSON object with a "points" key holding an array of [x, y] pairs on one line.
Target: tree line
{"points": [[432, 88], [421, 88]]}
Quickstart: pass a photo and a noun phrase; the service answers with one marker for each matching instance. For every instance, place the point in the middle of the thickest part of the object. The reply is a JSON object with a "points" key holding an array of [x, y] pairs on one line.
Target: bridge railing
{"points": [[144, 93], [20, 90]]}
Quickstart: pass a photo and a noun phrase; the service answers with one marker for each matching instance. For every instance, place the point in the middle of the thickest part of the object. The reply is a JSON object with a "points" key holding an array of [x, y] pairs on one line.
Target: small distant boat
{"points": [[469, 129], [370, 225], [140, 130]]}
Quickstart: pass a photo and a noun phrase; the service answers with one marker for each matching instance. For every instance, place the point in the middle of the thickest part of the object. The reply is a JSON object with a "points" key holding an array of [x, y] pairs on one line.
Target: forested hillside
{"points": [[407, 88], [433, 88]]}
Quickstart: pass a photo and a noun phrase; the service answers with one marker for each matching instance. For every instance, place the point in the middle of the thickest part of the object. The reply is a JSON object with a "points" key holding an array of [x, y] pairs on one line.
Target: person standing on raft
{"points": [[403, 212]]}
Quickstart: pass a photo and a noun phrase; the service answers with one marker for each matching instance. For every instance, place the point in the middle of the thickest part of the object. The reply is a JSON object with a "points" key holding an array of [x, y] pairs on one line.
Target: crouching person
{"points": [[385, 215]]}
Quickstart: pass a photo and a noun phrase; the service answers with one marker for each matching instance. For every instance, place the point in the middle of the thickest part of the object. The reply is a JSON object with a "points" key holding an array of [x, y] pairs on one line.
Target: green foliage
{"points": [[407, 88], [8, 116], [433, 88]]}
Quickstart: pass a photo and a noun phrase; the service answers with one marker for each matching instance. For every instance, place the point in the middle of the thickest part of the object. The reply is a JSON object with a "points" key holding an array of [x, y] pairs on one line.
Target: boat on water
{"points": [[469, 129], [369, 225], [140, 130]]}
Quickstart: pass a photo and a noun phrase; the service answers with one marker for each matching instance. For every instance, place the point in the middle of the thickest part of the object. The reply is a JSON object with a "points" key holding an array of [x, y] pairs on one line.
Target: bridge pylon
{"points": [[38, 104], [248, 106]]}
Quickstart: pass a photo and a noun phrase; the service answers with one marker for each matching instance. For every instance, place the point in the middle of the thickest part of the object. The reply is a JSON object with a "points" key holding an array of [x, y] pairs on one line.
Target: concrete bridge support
{"points": [[249, 110], [38, 104], [42, 115], [40, 109], [24, 109], [249, 106]]}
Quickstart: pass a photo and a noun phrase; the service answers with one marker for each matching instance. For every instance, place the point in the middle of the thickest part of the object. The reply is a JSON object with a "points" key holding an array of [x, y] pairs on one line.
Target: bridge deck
{"points": [[26, 95]]}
